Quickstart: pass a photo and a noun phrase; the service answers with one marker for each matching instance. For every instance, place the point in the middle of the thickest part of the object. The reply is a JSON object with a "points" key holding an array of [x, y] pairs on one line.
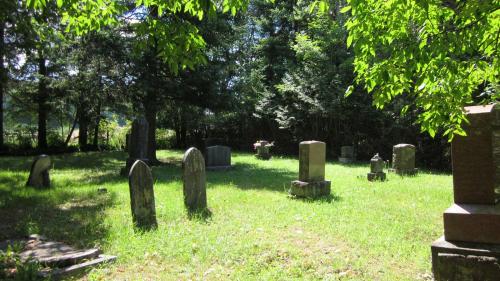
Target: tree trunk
{"points": [[42, 102], [68, 138], [3, 80], [96, 127], [150, 105]]}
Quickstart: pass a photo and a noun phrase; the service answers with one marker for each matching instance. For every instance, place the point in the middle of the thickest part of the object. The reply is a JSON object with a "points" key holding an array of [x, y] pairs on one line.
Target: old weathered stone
{"points": [[376, 169], [311, 181], [39, 173], [194, 179], [346, 154], [138, 144], [262, 148], [218, 157], [403, 159], [142, 198], [476, 157], [460, 261]]}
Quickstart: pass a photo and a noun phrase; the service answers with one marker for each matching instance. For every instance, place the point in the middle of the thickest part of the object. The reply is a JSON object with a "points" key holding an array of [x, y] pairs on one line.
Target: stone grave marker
{"points": [[403, 159], [311, 181], [262, 149], [218, 157], [142, 197], [39, 173], [194, 180], [470, 247], [346, 154], [376, 169], [137, 144]]}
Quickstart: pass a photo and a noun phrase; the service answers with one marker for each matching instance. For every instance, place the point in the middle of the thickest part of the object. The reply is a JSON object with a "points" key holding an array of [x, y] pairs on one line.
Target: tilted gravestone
{"points": [[142, 197], [39, 173], [218, 157], [376, 168], [346, 154], [194, 180], [311, 181], [403, 159], [137, 144], [470, 247]]}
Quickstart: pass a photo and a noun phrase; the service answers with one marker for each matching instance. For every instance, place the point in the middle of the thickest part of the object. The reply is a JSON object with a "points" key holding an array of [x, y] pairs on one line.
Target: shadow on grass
{"points": [[200, 215], [74, 218], [327, 199]]}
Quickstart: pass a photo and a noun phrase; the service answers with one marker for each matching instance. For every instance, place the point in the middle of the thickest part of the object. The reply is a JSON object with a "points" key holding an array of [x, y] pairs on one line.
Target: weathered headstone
{"points": [[194, 179], [311, 181], [137, 144], [403, 159], [470, 248], [262, 149], [376, 168], [218, 157], [142, 197], [39, 173], [346, 154]]}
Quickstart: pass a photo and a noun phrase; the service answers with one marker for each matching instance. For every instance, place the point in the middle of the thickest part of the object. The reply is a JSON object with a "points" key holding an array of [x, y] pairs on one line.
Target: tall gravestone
{"points": [[403, 159], [470, 247], [311, 181], [194, 180], [346, 154], [218, 157], [137, 144], [376, 169], [39, 173], [142, 197]]}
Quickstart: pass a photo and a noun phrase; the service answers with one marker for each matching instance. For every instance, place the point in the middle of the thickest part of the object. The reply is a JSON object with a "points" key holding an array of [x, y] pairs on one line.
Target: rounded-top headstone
{"points": [[377, 164], [142, 198], [39, 173], [194, 180]]}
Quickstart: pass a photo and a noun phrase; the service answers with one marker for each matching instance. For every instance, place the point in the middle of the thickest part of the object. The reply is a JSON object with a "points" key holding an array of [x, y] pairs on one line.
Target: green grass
{"points": [[364, 231]]}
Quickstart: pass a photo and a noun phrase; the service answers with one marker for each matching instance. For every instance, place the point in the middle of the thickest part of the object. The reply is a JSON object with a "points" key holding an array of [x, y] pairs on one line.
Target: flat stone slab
{"points": [[463, 261], [303, 189], [59, 273], [472, 223]]}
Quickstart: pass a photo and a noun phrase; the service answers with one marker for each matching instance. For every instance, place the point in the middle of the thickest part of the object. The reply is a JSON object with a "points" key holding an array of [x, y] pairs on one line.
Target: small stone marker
{"points": [[311, 181], [262, 148], [142, 197], [218, 157], [470, 248], [403, 159], [376, 168], [39, 173], [194, 179], [346, 154], [137, 144]]}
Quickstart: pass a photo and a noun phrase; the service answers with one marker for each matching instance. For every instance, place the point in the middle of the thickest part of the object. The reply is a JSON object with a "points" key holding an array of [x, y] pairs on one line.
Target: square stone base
{"points": [[345, 160], [310, 189], [472, 223], [376, 176], [461, 261]]}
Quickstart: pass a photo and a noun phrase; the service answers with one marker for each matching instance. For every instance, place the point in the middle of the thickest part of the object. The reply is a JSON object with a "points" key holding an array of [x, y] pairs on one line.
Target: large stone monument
{"points": [[194, 181], [403, 159], [137, 144], [39, 173], [470, 248], [218, 157], [262, 149], [142, 197], [376, 169], [311, 181], [347, 154]]}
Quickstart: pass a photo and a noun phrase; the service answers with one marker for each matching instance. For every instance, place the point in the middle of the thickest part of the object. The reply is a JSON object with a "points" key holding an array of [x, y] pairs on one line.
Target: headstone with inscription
{"points": [[346, 154], [137, 144], [376, 169], [403, 159], [470, 247], [218, 157], [311, 181], [194, 180], [39, 173], [142, 197]]}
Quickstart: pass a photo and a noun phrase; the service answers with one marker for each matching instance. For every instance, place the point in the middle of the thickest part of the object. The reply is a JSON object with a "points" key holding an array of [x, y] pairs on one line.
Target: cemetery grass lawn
{"points": [[364, 231]]}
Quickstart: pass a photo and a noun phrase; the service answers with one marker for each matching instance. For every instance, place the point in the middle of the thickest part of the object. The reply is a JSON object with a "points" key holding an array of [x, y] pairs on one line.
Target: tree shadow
{"points": [[200, 215]]}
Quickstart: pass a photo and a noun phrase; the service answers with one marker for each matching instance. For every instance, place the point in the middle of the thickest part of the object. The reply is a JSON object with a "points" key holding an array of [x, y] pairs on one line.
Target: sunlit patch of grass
{"points": [[366, 231]]}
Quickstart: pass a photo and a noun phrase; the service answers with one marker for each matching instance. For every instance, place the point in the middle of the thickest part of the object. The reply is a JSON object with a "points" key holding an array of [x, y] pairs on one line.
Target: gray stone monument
{"points": [[403, 159], [39, 173], [346, 154], [376, 169], [311, 181], [142, 197], [137, 144], [262, 149], [470, 247], [218, 157], [194, 180]]}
